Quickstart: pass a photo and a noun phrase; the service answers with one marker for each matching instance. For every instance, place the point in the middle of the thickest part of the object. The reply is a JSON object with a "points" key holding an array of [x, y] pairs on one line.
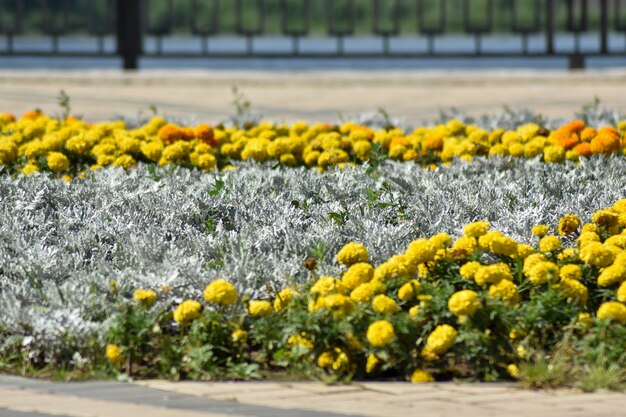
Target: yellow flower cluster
{"points": [[36, 141]]}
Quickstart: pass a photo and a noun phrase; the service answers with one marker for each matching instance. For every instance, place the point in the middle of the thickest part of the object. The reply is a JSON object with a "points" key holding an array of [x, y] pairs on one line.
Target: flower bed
{"points": [[369, 271]]}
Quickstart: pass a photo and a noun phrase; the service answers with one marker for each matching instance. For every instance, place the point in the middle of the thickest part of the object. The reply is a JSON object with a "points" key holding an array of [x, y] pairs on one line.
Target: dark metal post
{"points": [[129, 32], [550, 27], [604, 26]]}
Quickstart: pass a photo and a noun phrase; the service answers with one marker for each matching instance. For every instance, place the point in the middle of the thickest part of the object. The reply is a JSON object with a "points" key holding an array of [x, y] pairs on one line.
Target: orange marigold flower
{"points": [[605, 143], [583, 149], [9, 117], [206, 134], [609, 131], [32, 114], [187, 133], [568, 142], [170, 133], [587, 134], [575, 126], [433, 143]]}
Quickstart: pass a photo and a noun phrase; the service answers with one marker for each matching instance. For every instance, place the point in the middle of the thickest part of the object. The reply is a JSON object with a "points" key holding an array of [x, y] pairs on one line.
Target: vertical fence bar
{"points": [[129, 32], [604, 26], [550, 27]]}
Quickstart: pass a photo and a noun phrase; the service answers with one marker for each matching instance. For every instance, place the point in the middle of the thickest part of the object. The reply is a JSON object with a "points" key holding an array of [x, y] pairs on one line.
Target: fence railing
{"points": [[132, 29]]}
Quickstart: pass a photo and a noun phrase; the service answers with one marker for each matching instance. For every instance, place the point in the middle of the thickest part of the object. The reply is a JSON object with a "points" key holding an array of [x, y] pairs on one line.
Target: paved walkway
{"points": [[21, 397], [317, 95]]}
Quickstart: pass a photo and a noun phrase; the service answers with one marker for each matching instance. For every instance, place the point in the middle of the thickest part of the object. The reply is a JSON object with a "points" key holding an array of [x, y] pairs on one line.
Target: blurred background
{"points": [[391, 48]]}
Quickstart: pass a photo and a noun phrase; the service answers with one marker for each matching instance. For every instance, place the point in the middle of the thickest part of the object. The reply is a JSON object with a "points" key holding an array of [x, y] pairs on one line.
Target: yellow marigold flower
{"points": [[255, 149], [503, 245], [300, 340], [465, 244], [57, 162], [288, 159], [621, 293], [310, 158], [523, 251], [531, 261], [124, 161], [476, 229], [492, 274], [521, 351], [464, 303], [594, 253], [440, 241], [414, 311], [365, 292], [341, 360], [553, 154], [146, 297], [568, 224], [505, 290], [220, 292], [30, 169], [205, 162], [485, 241], [549, 243], [589, 227], [283, 298], [372, 363], [260, 308], [606, 217], [152, 150], [540, 230], [420, 376], [439, 341], [380, 333], [114, 354], [384, 304], [567, 253], [420, 251], [516, 149], [327, 285], [612, 310], [515, 334], [612, 275], [239, 336], [618, 241], [187, 311], [357, 274], [468, 270], [338, 304], [570, 271], [352, 253], [513, 370], [332, 157], [573, 290], [362, 149], [584, 319], [325, 359], [393, 268], [408, 291], [543, 272]]}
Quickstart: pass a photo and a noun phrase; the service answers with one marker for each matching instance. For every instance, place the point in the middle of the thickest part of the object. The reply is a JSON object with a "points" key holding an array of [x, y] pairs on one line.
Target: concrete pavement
{"points": [[21, 397]]}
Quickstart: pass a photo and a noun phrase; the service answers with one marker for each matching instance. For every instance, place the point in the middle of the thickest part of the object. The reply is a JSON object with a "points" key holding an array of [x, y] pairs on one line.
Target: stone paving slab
{"points": [[319, 95], [21, 397]]}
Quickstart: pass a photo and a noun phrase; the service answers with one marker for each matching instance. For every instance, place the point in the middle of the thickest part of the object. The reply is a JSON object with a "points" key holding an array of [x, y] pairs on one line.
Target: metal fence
{"points": [[132, 29]]}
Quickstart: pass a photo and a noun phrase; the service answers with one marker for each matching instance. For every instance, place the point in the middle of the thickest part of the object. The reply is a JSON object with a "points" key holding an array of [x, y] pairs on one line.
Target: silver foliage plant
{"points": [[62, 243]]}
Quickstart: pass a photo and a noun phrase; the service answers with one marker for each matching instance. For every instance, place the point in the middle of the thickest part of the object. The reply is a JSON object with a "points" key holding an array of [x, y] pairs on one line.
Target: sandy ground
{"points": [[312, 95]]}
